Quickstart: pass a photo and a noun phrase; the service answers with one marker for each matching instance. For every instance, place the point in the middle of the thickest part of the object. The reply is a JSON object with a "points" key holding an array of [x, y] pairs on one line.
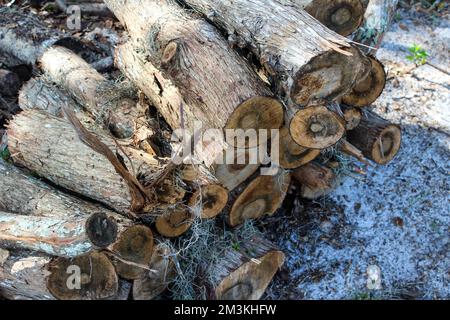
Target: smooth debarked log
{"points": [[51, 147], [378, 139], [244, 272], [40, 277], [190, 73], [341, 16], [304, 60]]}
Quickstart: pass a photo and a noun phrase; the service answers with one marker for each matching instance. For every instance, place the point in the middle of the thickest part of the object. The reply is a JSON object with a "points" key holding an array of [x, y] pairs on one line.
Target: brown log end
{"points": [[341, 16], [315, 180], [213, 199], [293, 155], [98, 279], [369, 88], [101, 230], [263, 196], [387, 145], [250, 280], [257, 113], [316, 127], [327, 76], [174, 222], [154, 282], [133, 251], [352, 117]]}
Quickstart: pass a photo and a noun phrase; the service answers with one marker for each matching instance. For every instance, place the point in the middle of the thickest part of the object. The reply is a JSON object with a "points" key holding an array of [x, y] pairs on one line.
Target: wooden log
{"points": [[180, 67], [154, 282], [51, 147], [352, 117], [39, 277], [368, 88], [293, 155], [173, 221], [305, 60], [245, 271], [346, 147], [377, 20], [108, 102], [341, 16], [257, 197], [315, 180], [378, 139], [317, 127], [9, 83]]}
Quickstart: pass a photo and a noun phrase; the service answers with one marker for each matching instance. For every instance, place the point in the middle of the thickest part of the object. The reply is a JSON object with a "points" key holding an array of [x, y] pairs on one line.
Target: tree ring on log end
{"points": [[326, 77], [250, 280], [341, 16], [97, 277], [101, 229], [134, 251], [316, 127], [213, 197], [174, 222], [367, 90], [387, 145], [257, 113], [293, 155], [263, 195]]}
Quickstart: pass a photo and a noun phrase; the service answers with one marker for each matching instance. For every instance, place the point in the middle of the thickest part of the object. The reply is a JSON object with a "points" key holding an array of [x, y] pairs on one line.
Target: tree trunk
{"points": [[39, 277], [341, 16], [377, 20], [315, 180], [189, 72], [257, 197], [51, 147], [305, 61], [378, 139], [244, 273]]}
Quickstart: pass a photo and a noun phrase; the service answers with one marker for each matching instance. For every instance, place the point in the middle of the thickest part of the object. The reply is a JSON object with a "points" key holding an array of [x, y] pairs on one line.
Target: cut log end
{"points": [[352, 117], [327, 76], [341, 16], [96, 279], [293, 155], [387, 145], [249, 281], [101, 230], [316, 127], [213, 199], [133, 252], [315, 180], [263, 196], [369, 88], [257, 113], [174, 222]]}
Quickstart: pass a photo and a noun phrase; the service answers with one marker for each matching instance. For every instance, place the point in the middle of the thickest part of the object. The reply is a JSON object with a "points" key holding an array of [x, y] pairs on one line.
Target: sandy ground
{"points": [[394, 219]]}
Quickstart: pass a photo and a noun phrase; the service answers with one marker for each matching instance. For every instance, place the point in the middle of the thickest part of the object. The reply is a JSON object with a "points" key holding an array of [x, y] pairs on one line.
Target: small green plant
{"points": [[4, 154], [236, 246], [417, 54]]}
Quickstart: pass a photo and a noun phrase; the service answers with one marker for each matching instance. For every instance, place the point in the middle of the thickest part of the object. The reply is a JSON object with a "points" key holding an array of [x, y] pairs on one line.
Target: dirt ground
{"points": [[393, 218]]}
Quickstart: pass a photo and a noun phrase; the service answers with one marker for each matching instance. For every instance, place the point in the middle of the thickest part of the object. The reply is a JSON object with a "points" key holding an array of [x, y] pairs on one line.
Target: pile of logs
{"points": [[92, 201]]}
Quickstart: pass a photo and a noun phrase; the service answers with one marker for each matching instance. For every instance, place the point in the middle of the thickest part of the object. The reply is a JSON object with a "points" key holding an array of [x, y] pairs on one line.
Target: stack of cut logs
{"points": [[89, 194]]}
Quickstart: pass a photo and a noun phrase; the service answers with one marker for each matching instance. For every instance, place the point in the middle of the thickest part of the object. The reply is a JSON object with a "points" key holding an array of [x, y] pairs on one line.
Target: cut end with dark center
{"points": [[101, 229]]}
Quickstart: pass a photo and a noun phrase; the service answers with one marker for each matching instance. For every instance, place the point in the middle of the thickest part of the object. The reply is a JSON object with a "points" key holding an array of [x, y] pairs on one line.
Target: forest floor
{"points": [[393, 218]]}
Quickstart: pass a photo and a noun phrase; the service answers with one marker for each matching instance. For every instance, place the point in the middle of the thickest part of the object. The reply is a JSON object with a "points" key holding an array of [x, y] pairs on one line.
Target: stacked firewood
{"points": [[93, 201]]}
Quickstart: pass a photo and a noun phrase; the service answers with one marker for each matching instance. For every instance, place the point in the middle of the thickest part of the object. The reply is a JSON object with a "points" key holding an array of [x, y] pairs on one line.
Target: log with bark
{"points": [[190, 73], [304, 60], [377, 19], [51, 147], [378, 139], [39, 277], [315, 180]]}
